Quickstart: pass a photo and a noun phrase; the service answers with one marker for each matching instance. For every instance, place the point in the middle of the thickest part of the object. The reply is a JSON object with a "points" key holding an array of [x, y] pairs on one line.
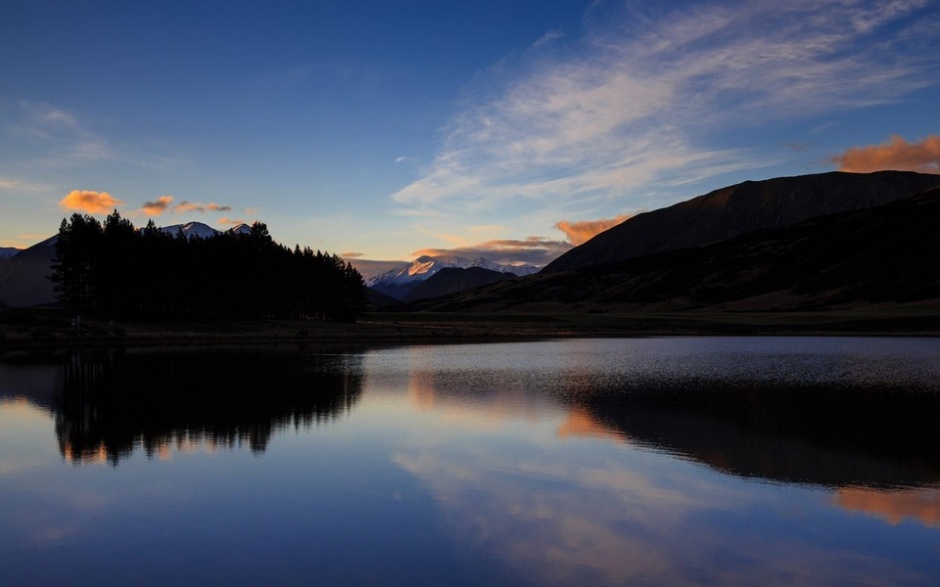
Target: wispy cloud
{"points": [[16, 185], [165, 204], [186, 206], [638, 103], [57, 137], [231, 221], [65, 137], [90, 202], [896, 153]]}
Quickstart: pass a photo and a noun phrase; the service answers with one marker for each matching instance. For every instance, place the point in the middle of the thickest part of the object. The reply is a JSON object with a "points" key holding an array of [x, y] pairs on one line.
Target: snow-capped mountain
{"points": [[200, 230], [397, 283]]}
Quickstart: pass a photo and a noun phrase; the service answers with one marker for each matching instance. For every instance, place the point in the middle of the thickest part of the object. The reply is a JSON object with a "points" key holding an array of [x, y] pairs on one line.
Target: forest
{"points": [[116, 270]]}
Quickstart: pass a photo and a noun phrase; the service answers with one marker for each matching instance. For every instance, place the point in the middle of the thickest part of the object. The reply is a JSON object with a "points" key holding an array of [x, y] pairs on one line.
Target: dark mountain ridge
{"points": [[24, 277], [455, 279], [878, 256], [736, 210]]}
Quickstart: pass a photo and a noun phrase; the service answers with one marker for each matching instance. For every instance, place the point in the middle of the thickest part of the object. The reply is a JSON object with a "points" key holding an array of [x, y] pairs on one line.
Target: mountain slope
{"points": [[24, 278], [735, 210], [7, 252], [453, 280], [878, 256]]}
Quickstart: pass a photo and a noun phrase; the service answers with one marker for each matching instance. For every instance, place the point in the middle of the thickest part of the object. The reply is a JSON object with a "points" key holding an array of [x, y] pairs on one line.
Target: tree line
{"points": [[114, 269]]}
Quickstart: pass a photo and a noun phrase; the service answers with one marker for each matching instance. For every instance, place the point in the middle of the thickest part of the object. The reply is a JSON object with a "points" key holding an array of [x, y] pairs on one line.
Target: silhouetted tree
{"points": [[116, 269]]}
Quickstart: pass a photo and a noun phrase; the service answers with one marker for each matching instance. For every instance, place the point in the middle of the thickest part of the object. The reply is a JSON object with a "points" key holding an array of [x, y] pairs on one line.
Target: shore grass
{"points": [[50, 327]]}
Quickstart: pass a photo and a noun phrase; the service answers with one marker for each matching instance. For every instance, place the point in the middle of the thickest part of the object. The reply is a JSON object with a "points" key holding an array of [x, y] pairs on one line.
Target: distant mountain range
{"points": [[399, 283], [200, 230], [876, 256]]}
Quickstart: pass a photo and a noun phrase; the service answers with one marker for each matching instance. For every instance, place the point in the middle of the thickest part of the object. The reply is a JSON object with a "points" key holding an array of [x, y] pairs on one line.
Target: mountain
{"points": [[7, 252], [879, 256], [200, 230], [398, 283], [735, 210], [452, 280], [24, 278]]}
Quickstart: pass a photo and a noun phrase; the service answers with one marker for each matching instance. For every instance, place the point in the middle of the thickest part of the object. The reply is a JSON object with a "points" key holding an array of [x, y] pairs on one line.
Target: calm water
{"points": [[723, 461]]}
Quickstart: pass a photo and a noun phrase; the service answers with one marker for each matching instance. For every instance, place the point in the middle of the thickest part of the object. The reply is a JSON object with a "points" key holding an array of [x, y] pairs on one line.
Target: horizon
{"points": [[383, 133]]}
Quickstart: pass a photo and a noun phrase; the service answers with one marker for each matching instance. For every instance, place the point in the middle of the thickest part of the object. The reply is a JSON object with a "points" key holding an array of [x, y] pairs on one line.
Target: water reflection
{"points": [[109, 403], [669, 461], [895, 507], [835, 426], [829, 435]]}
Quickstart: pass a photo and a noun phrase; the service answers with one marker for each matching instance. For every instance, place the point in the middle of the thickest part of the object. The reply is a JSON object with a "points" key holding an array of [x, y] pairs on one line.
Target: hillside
{"points": [[453, 280], [736, 210], [399, 283], [877, 256], [24, 278]]}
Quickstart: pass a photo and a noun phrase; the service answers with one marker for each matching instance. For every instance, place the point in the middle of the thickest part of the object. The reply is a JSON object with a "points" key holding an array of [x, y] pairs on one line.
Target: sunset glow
{"points": [[392, 132]]}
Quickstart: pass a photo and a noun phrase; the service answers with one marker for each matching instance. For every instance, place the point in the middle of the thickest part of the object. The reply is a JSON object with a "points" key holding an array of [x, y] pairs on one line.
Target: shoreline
{"points": [[38, 328]]}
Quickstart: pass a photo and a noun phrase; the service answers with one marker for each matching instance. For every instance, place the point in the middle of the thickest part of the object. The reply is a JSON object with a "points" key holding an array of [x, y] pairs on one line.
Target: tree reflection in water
{"points": [[113, 402]]}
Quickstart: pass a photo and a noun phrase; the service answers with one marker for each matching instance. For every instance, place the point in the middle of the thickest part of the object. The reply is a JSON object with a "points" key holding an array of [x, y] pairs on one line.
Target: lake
{"points": [[647, 461]]}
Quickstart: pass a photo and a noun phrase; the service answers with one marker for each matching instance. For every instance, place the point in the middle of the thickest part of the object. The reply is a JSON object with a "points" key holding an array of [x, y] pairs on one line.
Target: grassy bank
{"points": [[24, 328]]}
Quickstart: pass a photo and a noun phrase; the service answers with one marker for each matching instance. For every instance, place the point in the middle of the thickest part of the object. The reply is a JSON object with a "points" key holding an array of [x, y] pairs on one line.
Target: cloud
{"points": [[896, 153], [165, 204], [583, 231], [633, 107], [15, 185], [157, 207], [532, 251], [185, 207], [90, 202], [231, 221], [64, 135], [350, 255]]}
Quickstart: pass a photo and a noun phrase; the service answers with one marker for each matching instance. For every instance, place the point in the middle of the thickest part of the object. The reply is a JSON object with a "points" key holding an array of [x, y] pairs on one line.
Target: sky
{"points": [[382, 130]]}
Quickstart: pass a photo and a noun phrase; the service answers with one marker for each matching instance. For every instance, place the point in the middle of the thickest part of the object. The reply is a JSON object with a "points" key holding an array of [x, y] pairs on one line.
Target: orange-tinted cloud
{"points": [[894, 507], [90, 202], [350, 255], [534, 250], [186, 206], [231, 221], [581, 232], [896, 153], [157, 207]]}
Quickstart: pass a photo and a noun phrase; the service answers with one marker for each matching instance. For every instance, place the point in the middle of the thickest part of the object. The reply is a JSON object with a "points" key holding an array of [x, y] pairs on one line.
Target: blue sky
{"points": [[383, 130]]}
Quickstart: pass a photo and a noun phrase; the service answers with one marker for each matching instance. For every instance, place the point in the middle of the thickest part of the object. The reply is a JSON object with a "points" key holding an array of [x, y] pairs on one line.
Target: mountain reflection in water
{"points": [[113, 402], [829, 435]]}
